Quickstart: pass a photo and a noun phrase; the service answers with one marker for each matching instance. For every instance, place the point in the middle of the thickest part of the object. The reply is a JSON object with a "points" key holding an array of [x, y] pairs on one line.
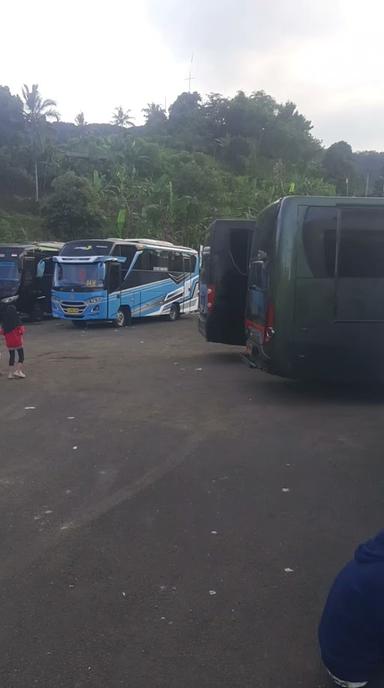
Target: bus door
{"points": [[188, 265], [257, 316], [28, 284], [152, 273], [114, 288], [360, 265]]}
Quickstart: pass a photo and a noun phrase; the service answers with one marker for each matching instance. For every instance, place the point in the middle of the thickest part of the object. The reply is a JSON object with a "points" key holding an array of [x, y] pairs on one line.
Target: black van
{"points": [[223, 280]]}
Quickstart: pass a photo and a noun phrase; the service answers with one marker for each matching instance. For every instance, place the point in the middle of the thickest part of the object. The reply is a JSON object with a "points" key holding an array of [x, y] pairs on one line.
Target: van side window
{"points": [[361, 250], [319, 239]]}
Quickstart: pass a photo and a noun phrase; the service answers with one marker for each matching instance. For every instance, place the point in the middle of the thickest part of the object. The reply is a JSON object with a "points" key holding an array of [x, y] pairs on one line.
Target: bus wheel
{"points": [[174, 313], [123, 317], [37, 312]]}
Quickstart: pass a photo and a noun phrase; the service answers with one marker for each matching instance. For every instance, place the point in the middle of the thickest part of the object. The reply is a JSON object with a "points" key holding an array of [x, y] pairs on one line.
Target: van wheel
{"points": [[174, 313], [123, 318], [37, 312]]}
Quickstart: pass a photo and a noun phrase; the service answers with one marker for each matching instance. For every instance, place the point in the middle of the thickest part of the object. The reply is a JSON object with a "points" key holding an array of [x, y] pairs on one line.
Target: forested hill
{"points": [[168, 178]]}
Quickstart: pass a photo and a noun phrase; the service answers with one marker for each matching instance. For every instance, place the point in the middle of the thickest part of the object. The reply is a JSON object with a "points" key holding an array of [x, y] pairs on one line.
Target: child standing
{"points": [[351, 631], [13, 331]]}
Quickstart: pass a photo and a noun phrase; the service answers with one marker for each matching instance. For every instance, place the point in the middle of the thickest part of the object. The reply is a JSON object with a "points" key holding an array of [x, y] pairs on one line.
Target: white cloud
{"points": [[92, 56]]}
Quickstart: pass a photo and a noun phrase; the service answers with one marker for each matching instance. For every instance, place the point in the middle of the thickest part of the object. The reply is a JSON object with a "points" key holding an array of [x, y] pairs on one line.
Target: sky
{"points": [[94, 55]]}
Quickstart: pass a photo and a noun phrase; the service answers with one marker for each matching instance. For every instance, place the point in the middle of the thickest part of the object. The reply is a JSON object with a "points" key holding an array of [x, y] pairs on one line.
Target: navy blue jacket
{"points": [[351, 630]]}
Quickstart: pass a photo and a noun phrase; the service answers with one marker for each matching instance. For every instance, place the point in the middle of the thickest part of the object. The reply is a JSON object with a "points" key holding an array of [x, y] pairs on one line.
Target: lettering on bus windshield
{"points": [[80, 248]]}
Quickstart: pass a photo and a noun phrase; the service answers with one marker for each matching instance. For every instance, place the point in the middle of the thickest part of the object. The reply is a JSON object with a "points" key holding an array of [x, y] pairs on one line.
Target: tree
{"points": [[122, 118], [11, 116], [339, 166], [73, 210], [80, 120], [37, 112], [185, 110], [155, 116]]}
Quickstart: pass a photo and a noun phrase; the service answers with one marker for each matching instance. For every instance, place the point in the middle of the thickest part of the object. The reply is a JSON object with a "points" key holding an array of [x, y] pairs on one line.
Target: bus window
{"points": [[319, 239], [175, 262], [361, 250], [127, 252], [152, 260], [187, 263], [143, 261], [160, 261]]}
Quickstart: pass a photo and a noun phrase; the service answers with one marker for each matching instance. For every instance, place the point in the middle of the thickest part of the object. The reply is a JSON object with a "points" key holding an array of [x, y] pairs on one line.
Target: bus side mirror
{"points": [[40, 270]]}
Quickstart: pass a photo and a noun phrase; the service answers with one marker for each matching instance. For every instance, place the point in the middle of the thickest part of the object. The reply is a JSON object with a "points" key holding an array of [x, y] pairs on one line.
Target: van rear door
{"points": [[360, 265], [223, 281]]}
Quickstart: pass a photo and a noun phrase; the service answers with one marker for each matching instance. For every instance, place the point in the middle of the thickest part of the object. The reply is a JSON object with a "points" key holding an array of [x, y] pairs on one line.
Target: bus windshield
{"points": [[9, 271], [79, 275]]}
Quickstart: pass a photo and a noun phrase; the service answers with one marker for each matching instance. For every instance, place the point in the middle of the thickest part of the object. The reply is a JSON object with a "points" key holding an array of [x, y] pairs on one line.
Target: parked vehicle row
{"points": [[302, 287], [101, 279]]}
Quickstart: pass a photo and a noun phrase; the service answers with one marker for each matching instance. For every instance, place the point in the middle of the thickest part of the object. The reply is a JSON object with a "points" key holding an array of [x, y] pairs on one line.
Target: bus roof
{"points": [[332, 200], [153, 243], [42, 245]]}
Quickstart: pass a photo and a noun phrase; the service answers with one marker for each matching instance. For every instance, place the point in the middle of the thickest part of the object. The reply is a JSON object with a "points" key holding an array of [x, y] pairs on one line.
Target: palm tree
{"points": [[36, 112], [80, 120], [121, 118]]}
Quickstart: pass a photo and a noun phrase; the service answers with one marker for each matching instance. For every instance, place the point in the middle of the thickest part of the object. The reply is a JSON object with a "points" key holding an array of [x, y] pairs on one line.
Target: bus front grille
{"points": [[73, 308]]}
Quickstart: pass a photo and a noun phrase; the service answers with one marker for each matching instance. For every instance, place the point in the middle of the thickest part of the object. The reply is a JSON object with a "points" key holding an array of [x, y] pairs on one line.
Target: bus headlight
{"points": [[9, 299], [95, 299]]}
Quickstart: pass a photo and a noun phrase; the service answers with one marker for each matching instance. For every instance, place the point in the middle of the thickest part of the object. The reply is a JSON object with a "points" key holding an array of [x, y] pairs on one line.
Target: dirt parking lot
{"points": [[170, 518]]}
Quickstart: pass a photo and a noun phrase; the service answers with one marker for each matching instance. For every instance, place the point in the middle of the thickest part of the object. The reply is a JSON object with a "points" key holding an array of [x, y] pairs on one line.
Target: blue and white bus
{"points": [[116, 280]]}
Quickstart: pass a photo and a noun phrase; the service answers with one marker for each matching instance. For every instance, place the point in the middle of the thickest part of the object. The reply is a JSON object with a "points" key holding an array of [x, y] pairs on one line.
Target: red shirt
{"points": [[14, 338]]}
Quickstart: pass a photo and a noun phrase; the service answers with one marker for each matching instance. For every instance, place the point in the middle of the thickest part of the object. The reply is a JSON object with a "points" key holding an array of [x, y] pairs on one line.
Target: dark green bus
{"points": [[315, 297]]}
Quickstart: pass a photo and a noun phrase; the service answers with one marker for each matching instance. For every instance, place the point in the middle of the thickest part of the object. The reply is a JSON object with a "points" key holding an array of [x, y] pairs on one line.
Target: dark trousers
{"points": [[20, 353]]}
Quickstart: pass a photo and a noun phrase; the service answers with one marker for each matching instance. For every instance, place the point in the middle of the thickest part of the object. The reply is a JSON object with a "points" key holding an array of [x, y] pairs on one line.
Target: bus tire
{"points": [[37, 312], [123, 317], [174, 313]]}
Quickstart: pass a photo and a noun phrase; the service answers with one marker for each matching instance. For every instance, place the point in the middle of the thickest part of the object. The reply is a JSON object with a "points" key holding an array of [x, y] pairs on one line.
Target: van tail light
{"points": [[269, 329], [211, 296]]}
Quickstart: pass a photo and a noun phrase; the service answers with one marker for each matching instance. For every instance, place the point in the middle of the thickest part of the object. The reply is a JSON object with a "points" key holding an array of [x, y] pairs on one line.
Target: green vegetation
{"points": [[168, 178]]}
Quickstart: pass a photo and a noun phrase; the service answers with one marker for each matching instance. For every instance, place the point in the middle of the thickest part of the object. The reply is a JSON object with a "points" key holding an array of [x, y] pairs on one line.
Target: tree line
{"points": [[205, 157]]}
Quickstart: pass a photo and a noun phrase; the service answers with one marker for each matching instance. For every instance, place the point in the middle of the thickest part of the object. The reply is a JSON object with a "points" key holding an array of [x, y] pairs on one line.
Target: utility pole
{"points": [[367, 185], [190, 77]]}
